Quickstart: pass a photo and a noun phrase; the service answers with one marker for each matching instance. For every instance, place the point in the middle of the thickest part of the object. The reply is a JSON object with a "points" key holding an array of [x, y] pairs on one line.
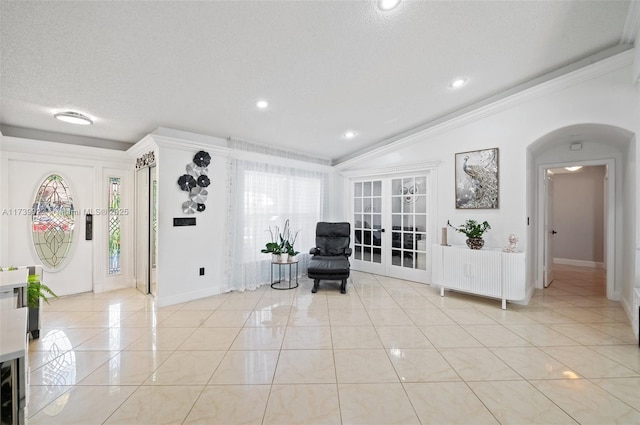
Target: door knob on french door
{"points": [[553, 232]]}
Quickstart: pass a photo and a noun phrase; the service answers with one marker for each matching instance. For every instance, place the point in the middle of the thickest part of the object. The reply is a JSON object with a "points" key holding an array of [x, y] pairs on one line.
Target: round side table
{"points": [[276, 284]]}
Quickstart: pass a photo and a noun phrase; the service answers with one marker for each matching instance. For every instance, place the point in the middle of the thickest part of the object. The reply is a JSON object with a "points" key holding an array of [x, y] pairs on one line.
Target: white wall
{"points": [[183, 250], [600, 93], [25, 164], [578, 215]]}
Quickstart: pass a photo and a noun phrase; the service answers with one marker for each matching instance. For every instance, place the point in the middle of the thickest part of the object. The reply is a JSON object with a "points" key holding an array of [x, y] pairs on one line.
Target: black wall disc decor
{"points": [[202, 159], [203, 181], [194, 182], [187, 182]]}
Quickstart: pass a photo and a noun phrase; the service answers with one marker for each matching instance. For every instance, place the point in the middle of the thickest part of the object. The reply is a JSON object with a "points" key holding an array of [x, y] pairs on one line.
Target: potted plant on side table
{"points": [[474, 231], [281, 246], [36, 291]]}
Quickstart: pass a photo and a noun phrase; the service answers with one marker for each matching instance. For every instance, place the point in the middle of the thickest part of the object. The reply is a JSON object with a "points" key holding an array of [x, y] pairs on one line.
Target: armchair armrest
{"points": [[347, 252], [314, 251]]}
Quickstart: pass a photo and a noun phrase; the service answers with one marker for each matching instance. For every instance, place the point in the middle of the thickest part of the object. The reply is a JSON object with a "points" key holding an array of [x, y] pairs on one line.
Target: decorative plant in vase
{"points": [[289, 245], [474, 231], [281, 246], [36, 291], [273, 247]]}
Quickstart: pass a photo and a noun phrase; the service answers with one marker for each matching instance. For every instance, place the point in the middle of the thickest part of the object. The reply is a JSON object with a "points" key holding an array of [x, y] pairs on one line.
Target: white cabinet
{"points": [[488, 272]]}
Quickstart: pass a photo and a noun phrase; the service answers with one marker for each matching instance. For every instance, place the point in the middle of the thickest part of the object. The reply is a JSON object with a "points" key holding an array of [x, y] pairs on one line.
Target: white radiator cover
{"points": [[488, 272]]}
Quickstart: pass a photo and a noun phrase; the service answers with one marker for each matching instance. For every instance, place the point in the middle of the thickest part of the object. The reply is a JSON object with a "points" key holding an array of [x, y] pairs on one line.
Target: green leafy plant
{"points": [[37, 290], [471, 228], [275, 245], [282, 242]]}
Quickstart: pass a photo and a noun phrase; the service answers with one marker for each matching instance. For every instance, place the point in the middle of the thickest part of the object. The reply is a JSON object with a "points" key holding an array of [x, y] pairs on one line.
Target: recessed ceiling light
{"points": [[73, 118], [350, 134], [388, 4], [262, 104], [574, 168], [458, 82]]}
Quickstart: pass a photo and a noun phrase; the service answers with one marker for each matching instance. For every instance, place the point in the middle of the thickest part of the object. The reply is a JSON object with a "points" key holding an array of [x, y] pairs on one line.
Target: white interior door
{"points": [[409, 218], [390, 226], [549, 231], [368, 232]]}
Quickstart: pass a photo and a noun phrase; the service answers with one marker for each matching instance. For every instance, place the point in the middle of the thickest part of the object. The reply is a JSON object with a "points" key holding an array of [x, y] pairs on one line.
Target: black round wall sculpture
{"points": [[195, 181], [186, 182]]}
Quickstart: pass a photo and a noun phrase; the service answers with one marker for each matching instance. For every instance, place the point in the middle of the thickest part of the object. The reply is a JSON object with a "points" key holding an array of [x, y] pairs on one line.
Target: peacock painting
{"points": [[477, 179]]}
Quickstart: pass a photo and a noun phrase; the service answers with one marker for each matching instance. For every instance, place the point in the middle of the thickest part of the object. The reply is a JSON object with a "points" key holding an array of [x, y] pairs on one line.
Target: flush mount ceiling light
{"points": [[458, 82], [388, 4], [73, 118], [350, 134], [574, 168], [262, 104]]}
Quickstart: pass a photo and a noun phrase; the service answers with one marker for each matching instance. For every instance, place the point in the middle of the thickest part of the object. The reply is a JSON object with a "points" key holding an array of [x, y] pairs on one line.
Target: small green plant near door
{"points": [[37, 290]]}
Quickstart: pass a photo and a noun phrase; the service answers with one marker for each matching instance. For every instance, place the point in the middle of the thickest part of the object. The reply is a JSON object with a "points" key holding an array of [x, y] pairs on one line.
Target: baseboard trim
{"points": [[186, 296], [579, 263]]}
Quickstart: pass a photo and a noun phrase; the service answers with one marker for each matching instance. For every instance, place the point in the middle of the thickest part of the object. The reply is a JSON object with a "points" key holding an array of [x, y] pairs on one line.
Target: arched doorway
{"points": [[586, 144]]}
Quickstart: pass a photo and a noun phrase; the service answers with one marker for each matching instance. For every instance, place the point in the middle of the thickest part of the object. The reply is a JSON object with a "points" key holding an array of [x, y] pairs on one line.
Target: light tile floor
{"points": [[387, 352]]}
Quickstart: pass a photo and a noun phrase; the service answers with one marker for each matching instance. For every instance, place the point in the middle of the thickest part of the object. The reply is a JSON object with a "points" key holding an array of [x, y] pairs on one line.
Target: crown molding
{"points": [[69, 139], [155, 142], [189, 145], [399, 169], [587, 69], [631, 24], [279, 161], [143, 146], [47, 149]]}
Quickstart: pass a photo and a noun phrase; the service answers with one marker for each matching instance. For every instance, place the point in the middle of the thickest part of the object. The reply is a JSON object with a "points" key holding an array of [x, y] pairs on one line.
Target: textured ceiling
{"points": [[324, 66]]}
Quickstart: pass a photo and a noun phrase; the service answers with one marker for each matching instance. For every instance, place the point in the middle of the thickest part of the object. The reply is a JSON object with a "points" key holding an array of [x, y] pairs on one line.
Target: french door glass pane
{"points": [[357, 189], [409, 222], [367, 189], [420, 222], [367, 221], [377, 188], [377, 255]]}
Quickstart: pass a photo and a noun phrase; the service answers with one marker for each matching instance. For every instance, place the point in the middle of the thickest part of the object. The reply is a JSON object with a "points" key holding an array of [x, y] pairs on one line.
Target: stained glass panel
{"points": [[114, 225], [53, 221]]}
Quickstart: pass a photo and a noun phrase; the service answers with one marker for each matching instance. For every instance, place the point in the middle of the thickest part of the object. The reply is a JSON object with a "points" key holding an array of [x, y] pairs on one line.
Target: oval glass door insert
{"points": [[53, 221]]}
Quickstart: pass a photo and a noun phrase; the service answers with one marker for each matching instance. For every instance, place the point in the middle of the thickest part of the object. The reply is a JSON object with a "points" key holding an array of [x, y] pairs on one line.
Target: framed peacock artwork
{"points": [[477, 179]]}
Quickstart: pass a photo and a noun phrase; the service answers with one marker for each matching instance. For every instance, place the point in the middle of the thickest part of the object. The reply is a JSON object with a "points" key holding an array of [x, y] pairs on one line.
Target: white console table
{"points": [[488, 272], [13, 285]]}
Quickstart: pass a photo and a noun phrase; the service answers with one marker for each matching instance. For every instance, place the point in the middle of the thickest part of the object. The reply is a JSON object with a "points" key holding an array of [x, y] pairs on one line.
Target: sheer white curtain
{"points": [[263, 195]]}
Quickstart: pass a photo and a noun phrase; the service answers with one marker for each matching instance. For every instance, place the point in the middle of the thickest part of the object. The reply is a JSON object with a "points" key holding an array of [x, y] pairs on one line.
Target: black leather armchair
{"points": [[330, 255]]}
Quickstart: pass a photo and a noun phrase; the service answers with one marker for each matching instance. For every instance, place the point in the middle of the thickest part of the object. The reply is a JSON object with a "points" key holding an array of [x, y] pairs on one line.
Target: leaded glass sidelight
{"points": [[53, 221], [114, 225]]}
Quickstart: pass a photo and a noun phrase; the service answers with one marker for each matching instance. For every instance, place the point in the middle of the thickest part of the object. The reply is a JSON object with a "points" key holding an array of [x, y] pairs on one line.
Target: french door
{"points": [[390, 222]]}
